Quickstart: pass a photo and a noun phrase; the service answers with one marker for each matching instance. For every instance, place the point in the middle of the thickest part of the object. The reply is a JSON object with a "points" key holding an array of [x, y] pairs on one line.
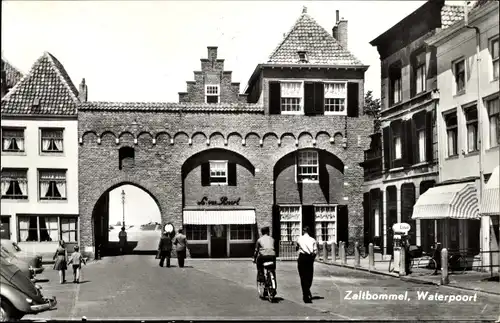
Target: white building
{"points": [[39, 204]]}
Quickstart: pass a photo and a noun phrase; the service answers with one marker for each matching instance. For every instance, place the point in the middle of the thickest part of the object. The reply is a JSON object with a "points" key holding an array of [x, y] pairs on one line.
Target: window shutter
{"points": [[319, 97], [352, 99], [387, 142], [428, 137], [404, 142], [410, 146], [205, 174], [274, 98], [342, 224], [231, 174], [309, 108]]}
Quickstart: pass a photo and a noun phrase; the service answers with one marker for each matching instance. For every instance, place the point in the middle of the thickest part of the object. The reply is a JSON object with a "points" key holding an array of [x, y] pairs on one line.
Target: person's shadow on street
{"points": [[316, 298]]}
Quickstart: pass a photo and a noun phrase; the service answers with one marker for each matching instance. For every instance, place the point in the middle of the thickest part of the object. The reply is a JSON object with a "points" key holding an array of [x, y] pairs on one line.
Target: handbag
{"points": [[158, 254]]}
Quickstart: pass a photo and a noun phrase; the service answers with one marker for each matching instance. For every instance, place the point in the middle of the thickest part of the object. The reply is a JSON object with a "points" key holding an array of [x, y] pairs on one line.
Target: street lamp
{"points": [[123, 207]]}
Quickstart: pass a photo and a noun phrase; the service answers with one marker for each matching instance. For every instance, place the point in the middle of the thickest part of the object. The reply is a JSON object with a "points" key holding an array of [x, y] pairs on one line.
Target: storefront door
{"points": [[218, 241], [5, 228], [392, 218]]}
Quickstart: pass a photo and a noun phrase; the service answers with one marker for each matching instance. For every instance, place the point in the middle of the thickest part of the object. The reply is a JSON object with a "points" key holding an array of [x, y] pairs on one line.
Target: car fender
{"points": [[15, 297]]}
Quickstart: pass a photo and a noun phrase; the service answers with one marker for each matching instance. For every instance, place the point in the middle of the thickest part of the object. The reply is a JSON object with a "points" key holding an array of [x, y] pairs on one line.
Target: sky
{"points": [[147, 50], [140, 208]]}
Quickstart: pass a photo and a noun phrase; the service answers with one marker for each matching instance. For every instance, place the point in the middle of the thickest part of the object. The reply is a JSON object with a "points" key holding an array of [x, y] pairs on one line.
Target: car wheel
{"points": [[8, 313]]}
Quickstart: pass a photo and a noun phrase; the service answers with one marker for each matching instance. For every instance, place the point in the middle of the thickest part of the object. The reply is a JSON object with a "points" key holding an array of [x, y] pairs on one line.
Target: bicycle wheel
{"points": [[433, 265], [271, 287]]}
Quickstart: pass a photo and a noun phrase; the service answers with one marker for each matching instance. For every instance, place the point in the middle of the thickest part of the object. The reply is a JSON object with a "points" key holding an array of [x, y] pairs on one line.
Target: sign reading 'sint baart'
{"points": [[222, 201]]}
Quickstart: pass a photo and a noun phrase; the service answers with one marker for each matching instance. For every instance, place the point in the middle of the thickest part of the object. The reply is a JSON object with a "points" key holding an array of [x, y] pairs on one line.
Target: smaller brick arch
{"points": [[252, 134], [322, 133], [268, 138], [216, 134], [144, 134], [108, 133], [125, 133], [198, 133], [89, 133], [178, 137], [338, 136], [162, 134], [287, 134]]}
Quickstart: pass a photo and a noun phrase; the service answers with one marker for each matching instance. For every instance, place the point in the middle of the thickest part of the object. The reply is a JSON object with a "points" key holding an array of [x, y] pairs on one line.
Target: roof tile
{"points": [[49, 83], [320, 46], [451, 14], [171, 107], [12, 74]]}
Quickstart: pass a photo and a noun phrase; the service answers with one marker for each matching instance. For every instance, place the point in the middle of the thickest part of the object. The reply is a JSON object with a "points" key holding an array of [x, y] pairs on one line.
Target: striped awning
{"points": [[454, 201], [490, 203], [205, 217]]}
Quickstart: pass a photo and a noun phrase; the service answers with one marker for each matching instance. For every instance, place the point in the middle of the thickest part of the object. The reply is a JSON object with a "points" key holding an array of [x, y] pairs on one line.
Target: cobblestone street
{"points": [[134, 286]]}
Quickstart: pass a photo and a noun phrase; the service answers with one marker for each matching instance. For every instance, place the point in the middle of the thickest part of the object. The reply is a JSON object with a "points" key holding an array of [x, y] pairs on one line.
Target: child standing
{"points": [[76, 259]]}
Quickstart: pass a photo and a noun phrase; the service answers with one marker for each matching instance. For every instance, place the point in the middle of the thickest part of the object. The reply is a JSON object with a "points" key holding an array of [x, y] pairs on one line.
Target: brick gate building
{"points": [[221, 164]]}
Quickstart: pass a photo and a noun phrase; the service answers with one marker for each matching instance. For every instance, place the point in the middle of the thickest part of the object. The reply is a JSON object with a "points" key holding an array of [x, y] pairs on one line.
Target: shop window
{"points": [[52, 184], [241, 232], [451, 133], [196, 232], [51, 140], [326, 220], [290, 222], [12, 139], [459, 74], [14, 183], [472, 128], [38, 228], [69, 229], [494, 120], [307, 166]]}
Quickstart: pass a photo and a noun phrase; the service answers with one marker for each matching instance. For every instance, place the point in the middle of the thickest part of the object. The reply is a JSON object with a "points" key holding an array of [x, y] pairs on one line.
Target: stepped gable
{"points": [[319, 45], [212, 73], [45, 90]]}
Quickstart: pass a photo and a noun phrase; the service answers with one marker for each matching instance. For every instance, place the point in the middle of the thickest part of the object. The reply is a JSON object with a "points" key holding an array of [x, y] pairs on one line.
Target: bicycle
{"points": [[431, 262], [457, 263], [267, 288]]}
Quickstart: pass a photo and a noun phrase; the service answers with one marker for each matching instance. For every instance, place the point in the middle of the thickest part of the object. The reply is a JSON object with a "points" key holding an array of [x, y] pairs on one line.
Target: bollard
{"points": [[356, 254], [325, 251], [402, 262], [341, 252], [371, 257], [444, 267], [344, 253], [334, 252]]}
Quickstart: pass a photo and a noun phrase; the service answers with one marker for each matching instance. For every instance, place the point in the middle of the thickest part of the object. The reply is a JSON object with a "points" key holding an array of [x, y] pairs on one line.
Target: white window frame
{"points": [[207, 94], [319, 235], [473, 123], [38, 230], [225, 162], [338, 113], [62, 198], [241, 240], [456, 91], [493, 140], [42, 150], [494, 60], [16, 179], [297, 165], [61, 229], [454, 129], [206, 228], [299, 221], [20, 129], [301, 98]]}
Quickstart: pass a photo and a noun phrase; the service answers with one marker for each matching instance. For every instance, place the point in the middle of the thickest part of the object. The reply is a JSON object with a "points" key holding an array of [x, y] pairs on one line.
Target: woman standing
{"points": [[61, 265]]}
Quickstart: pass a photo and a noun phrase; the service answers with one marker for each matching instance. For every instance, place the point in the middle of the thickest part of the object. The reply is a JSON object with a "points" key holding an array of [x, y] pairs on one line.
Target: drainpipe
{"points": [[485, 223]]}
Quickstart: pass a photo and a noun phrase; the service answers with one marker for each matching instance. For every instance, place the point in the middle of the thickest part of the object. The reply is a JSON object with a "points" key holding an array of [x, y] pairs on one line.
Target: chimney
{"points": [[339, 31], [82, 95], [212, 53]]}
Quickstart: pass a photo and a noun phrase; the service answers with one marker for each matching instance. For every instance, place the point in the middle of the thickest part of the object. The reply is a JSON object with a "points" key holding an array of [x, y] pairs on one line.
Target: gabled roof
{"points": [[48, 83], [451, 14], [320, 46], [12, 74]]}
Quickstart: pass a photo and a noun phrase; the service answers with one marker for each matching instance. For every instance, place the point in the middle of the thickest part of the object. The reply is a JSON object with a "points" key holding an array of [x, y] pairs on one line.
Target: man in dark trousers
{"points": [[165, 248], [180, 243], [307, 248]]}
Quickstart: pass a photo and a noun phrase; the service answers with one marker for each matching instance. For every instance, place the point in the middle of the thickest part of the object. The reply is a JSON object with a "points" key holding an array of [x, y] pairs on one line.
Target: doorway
{"points": [[218, 241], [393, 218], [5, 228]]}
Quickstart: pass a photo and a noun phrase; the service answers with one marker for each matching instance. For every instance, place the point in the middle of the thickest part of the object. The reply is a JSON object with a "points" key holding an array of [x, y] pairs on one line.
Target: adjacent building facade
{"points": [[39, 202], [221, 164], [468, 120]]}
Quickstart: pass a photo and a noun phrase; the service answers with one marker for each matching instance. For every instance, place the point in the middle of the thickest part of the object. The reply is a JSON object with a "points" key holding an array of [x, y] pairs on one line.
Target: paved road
{"points": [[134, 286]]}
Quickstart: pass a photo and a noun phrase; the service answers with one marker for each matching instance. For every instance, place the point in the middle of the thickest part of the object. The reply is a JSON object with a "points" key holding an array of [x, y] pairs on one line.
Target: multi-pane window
{"points": [[451, 134], [12, 139], [212, 93], [52, 184], [472, 128], [335, 98], [241, 232], [52, 140], [290, 220], [47, 228], [494, 120], [218, 172], [307, 166], [326, 218], [459, 71], [14, 183], [196, 232], [420, 75], [291, 97], [395, 84], [494, 57]]}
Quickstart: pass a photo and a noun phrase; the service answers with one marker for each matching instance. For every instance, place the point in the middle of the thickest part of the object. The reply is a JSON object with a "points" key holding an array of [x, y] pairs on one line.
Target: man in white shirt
{"points": [[307, 248]]}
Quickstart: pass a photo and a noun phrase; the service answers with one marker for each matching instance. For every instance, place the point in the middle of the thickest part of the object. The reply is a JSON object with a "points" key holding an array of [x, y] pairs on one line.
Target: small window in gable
{"points": [[126, 157], [212, 93], [302, 56]]}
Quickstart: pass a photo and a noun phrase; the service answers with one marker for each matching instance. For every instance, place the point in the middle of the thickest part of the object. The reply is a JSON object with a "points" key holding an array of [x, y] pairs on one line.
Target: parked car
{"points": [[22, 265], [31, 258], [19, 296]]}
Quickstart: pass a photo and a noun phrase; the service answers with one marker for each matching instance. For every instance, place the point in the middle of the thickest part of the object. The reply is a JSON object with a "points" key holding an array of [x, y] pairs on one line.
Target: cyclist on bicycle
{"points": [[264, 251]]}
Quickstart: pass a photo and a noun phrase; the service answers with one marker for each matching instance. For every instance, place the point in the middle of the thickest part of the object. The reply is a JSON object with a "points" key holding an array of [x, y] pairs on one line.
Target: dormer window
{"points": [[212, 93], [302, 56]]}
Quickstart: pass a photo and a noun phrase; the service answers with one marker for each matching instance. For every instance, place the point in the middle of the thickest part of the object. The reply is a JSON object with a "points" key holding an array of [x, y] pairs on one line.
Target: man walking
{"points": [[165, 248], [307, 248], [122, 236], [180, 243]]}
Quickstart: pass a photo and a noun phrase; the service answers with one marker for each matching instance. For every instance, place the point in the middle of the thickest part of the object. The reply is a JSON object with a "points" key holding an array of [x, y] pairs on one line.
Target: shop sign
{"points": [[401, 227], [222, 201]]}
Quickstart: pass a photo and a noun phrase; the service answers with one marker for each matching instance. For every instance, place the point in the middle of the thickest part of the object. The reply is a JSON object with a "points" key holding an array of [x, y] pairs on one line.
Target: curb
{"points": [[450, 285], [374, 271]]}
